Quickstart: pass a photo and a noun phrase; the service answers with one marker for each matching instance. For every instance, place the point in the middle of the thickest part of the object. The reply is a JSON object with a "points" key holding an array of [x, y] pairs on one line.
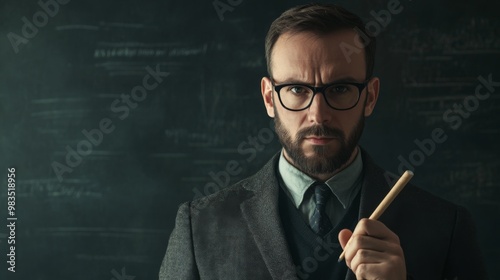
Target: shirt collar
{"points": [[297, 182]]}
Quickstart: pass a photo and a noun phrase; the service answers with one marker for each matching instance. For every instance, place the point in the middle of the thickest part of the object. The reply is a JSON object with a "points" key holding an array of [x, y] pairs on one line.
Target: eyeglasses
{"points": [[339, 96]]}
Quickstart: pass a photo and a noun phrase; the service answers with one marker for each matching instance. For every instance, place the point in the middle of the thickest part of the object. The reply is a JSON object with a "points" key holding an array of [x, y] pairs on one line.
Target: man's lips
{"points": [[319, 140]]}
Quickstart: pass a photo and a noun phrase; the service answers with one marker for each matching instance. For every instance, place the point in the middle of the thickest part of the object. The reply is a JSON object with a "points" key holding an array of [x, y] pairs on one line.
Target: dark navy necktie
{"points": [[320, 223]]}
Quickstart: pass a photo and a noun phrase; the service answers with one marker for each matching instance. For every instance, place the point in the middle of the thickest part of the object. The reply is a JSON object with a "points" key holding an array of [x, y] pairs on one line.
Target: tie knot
{"points": [[321, 194]]}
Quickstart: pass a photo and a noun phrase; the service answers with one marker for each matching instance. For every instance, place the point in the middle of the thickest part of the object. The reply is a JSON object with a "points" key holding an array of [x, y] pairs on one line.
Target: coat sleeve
{"points": [[464, 256], [179, 262]]}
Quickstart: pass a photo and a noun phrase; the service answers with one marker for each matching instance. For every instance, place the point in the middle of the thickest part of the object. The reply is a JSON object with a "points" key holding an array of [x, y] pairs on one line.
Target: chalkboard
{"points": [[112, 113]]}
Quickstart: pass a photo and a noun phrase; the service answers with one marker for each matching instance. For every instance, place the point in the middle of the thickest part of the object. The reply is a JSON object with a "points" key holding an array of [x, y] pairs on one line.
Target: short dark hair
{"points": [[320, 19]]}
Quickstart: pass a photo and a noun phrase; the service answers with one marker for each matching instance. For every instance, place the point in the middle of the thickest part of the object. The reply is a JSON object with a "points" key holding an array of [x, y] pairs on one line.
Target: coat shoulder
{"points": [[412, 197], [246, 188]]}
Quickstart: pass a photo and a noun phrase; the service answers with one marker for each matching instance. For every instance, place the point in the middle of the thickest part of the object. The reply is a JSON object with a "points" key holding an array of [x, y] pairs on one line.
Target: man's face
{"points": [[319, 140]]}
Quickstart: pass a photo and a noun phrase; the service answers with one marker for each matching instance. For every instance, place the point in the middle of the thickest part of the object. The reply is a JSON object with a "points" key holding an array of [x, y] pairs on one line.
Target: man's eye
{"points": [[298, 89], [339, 89]]}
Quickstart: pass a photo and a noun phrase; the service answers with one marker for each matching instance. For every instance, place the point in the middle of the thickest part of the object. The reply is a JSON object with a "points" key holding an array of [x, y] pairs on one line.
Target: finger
{"points": [[371, 271], [363, 242], [367, 242], [375, 229], [365, 256], [373, 265], [344, 236]]}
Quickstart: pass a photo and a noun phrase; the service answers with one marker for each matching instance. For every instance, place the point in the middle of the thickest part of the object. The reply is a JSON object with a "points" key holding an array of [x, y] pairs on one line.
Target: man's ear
{"points": [[372, 88], [266, 87]]}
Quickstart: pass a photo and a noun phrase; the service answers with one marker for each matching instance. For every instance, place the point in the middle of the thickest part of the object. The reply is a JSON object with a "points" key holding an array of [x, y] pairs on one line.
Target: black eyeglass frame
{"points": [[361, 86]]}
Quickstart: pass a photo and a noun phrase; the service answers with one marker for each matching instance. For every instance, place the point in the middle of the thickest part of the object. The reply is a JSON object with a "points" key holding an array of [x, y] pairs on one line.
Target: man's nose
{"points": [[319, 111]]}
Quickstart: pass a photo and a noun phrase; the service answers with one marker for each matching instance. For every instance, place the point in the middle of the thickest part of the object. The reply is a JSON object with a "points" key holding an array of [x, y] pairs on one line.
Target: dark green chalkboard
{"points": [[115, 112]]}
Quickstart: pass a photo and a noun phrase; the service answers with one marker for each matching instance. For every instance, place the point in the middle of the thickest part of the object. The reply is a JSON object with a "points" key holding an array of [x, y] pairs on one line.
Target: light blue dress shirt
{"points": [[345, 185]]}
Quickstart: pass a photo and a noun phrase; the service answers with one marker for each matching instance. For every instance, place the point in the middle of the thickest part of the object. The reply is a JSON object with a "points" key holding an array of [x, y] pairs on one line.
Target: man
{"points": [[294, 217]]}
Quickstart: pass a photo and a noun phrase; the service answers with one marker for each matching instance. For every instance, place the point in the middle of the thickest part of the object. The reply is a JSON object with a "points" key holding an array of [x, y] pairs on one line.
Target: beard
{"points": [[324, 160]]}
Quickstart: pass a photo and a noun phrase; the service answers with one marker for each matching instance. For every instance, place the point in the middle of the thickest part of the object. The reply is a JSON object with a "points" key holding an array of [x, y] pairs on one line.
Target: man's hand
{"points": [[373, 252]]}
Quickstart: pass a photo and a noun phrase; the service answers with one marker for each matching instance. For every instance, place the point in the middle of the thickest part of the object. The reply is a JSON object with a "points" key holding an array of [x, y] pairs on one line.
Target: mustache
{"points": [[320, 130]]}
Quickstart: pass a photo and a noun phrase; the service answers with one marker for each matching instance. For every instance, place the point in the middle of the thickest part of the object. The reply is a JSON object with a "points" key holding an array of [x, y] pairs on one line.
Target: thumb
{"points": [[344, 236]]}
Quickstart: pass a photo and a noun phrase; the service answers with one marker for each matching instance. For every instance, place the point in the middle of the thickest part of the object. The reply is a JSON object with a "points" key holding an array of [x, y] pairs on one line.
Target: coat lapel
{"points": [[262, 216]]}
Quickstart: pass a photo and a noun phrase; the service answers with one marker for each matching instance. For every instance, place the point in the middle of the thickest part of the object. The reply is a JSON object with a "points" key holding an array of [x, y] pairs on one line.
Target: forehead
{"points": [[310, 57]]}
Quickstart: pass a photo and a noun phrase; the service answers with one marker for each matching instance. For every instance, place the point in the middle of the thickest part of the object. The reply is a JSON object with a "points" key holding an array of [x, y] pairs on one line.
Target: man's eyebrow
{"points": [[346, 80], [336, 81], [291, 81]]}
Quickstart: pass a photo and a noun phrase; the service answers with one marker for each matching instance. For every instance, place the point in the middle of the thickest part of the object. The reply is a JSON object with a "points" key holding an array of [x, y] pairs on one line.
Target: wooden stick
{"points": [[391, 195]]}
